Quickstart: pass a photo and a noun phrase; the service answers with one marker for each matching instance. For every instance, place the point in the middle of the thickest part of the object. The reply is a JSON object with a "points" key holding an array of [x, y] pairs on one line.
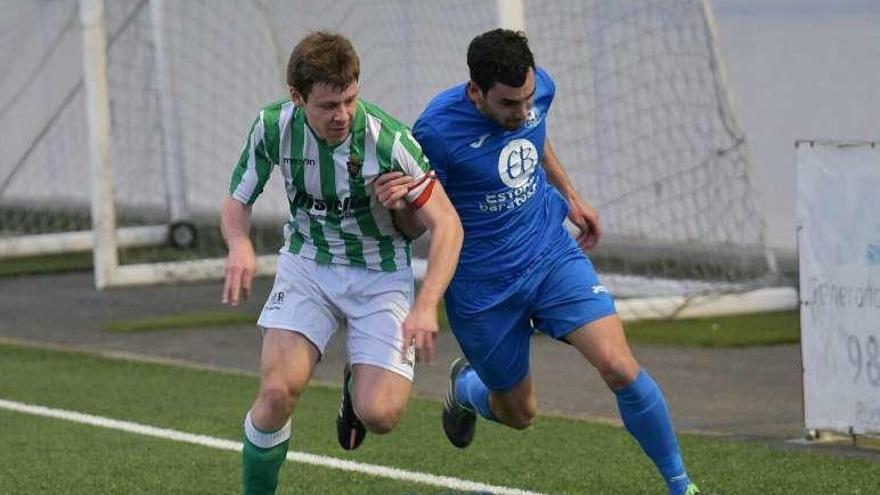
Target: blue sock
{"points": [[646, 417], [472, 392]]}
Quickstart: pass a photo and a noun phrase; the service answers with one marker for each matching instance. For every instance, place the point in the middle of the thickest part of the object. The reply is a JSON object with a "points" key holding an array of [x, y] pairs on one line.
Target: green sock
{"points": [[259, 467]]}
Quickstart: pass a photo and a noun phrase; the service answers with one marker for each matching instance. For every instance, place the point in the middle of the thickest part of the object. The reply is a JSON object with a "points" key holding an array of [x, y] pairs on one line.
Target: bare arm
{"points": [[241, 262], [406, 221], [390, 188], [581, 213], [441, 219]]}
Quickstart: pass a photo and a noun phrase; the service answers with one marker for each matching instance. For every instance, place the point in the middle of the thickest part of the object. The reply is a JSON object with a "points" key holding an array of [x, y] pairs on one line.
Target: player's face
{"points": [[329, 111], [507, 105]]}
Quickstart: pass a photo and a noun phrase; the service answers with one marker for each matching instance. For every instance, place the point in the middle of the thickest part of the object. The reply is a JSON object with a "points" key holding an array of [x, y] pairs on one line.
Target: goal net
{"points": [[642, 121]]}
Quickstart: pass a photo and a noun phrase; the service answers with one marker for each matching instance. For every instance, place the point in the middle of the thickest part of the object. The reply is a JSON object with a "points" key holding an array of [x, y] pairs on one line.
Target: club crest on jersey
{"points": [[354, 166], [517, 162], [533, 119]]}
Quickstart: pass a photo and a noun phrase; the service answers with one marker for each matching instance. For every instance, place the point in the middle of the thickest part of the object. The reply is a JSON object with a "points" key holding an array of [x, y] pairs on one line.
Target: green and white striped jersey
{"points": [[334, 215]]}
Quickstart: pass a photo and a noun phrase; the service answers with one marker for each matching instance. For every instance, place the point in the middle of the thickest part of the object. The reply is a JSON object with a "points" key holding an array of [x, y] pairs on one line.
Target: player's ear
{"points": [[296, 97], [474, 92]]}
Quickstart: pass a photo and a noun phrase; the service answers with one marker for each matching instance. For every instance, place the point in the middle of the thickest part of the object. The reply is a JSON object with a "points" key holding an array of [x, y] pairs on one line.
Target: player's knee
{"points": [[617, 371], [278, 400], [379, 418]]}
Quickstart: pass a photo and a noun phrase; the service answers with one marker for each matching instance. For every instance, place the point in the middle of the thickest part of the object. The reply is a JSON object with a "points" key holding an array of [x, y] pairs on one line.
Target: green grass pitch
{"points": [[44, 455]]}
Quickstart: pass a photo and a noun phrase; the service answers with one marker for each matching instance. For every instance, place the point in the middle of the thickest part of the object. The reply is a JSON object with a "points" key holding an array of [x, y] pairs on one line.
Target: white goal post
{"points": [[166, 90]]}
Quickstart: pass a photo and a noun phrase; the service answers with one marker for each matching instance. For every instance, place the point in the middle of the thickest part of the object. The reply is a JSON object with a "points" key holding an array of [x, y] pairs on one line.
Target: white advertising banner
{"points": [[838, 218]]}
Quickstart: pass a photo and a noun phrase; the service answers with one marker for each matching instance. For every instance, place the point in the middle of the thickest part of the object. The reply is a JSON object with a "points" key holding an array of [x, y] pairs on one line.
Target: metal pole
{"points": [[175, 178], [511, 14], [91, 15]]}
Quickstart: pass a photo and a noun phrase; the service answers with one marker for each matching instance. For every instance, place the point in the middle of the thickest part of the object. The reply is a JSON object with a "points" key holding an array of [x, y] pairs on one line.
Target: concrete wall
{"points": [[800, 69]]}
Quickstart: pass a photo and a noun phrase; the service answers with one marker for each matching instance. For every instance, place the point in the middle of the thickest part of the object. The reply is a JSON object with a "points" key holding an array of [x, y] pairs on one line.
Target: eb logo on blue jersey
{"points": [[517, 162]]}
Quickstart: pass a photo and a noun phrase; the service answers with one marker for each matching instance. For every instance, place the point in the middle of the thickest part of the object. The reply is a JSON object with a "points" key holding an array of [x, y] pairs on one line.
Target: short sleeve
{"points": [[548, 87], [432, 147], [408, 157], [254, 166]]}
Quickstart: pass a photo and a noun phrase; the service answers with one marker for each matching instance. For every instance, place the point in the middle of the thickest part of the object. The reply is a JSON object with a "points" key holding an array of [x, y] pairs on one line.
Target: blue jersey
{"points": [[495, 179]]}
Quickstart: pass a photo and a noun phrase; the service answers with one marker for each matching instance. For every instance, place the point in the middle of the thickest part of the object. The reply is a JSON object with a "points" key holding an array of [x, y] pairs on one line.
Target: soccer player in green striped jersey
{"points": [[343, 260]]}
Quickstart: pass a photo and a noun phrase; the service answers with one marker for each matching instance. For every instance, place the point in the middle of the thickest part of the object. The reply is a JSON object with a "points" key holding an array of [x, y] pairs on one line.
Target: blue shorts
{"points": [[557, 294]]}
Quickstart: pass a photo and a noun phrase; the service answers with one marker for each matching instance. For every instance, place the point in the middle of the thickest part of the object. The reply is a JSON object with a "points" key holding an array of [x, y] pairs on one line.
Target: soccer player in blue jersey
{"points": [[519, 269]]}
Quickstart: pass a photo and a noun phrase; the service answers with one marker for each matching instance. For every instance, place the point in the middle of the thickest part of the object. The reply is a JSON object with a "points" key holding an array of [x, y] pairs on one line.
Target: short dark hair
{"points": [[500, 55], [322, 57]]}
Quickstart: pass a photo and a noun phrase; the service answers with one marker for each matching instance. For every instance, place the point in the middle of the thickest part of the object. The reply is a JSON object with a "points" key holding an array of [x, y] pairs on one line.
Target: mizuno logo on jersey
{"points": [[600, 289], [297, 160]]}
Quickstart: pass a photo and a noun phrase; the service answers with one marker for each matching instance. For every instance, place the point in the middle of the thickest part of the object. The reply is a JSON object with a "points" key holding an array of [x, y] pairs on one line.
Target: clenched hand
{"points": [[390, 188]]}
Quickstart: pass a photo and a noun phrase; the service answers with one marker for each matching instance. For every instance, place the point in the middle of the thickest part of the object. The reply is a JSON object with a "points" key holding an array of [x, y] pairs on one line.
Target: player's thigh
{"points": [[379, 390], [287, 360], [375, 307], [299, 302], [495, 341], [521, 398], [603, 343], [570, 295]]}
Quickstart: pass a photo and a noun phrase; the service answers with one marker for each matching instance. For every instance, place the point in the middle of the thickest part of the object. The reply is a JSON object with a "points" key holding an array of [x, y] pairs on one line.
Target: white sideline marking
{"points": [[301, 457]]}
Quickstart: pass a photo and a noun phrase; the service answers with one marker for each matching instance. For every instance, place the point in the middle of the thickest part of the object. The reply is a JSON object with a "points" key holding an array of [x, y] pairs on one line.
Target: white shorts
{"points": [[315, 300]]}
